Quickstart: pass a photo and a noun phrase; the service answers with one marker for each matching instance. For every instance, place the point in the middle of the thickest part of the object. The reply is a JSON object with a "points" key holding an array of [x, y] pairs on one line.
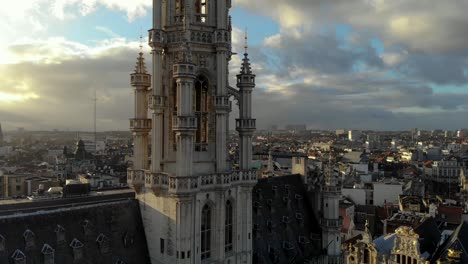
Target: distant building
{"points": [[340, 132], [14, 185], [1, 135], [354, 135]]}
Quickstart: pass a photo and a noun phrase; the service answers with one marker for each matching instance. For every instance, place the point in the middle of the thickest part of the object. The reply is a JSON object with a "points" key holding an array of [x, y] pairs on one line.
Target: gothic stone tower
{"points": [[331, 222], [195, 208]]}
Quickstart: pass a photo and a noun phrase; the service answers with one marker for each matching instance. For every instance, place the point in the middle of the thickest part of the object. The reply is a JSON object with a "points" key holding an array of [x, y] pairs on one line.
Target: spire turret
{"points": [[246, 69], [140, 64]]}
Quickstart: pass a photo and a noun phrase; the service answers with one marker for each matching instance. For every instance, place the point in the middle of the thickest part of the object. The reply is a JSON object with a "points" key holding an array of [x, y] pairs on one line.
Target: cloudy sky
{"points": [[370, 64]]}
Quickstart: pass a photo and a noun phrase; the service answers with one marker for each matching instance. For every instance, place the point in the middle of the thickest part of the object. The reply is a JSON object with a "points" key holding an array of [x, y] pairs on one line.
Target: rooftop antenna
{"points": [[141, 40], [95, 119], [246, 46]]}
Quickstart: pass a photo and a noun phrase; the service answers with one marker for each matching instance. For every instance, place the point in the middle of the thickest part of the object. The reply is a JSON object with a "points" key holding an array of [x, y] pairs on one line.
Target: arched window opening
{"points": [[201, 11], [174, 113], [366, 256], [179, 10], [206, 233], [201, 112], [228, 230]]}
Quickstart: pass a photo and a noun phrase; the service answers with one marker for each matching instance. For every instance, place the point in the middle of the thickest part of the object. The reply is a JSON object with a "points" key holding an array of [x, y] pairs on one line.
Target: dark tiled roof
{"points": [[285, 230], [429, 235], [105, 233]]}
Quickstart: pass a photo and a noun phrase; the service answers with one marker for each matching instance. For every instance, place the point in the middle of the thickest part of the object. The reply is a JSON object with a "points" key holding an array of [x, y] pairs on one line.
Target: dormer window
{"points": [[60, 234], [77, 247], [28, 236], [269, 225], [87, 227], [201, 11], [18, 257], [48, 254], [270, 205], [275, 190], [2, 244], [103, 243]]}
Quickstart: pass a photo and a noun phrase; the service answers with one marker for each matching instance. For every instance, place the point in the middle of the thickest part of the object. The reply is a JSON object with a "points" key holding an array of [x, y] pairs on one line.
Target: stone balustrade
{"points": [[331, 223], [249, 124], [184, 122], [140, 124], [180, 184]]}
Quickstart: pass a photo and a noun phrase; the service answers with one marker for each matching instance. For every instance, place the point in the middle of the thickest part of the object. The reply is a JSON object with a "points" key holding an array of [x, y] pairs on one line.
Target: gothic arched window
{"points": [[201, 112], [201, 10], [179, 10], [366, 256], [228, 230], [206, 232], [174, 112]]}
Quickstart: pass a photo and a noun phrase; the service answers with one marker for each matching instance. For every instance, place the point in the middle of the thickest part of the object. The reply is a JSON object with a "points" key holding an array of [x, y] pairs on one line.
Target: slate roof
{"points": [[104, 233], [285, 229], [429, 235]]}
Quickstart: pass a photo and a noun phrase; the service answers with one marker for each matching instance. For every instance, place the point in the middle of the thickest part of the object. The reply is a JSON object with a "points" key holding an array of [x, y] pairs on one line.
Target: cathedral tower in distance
{"points": [[195, 207]]}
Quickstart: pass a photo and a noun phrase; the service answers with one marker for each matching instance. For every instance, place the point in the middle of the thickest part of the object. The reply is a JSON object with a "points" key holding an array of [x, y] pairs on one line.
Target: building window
{"points": [[206, 232], [161, 245], [366, 256], [201, 10], [201, 112], [228, 231]]}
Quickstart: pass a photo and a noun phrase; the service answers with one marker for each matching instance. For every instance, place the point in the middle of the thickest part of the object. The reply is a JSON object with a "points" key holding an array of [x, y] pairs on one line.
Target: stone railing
{"points": [[245, 123], [140, 79], [331, 223], [140, 124], [156, 101], [135, 179], [180, 184], [221, 102], [331, 190], [184, 122]]}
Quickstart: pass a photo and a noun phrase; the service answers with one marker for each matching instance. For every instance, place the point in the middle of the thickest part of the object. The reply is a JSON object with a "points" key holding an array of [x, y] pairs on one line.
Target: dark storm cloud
{"points": [[66, 90]]}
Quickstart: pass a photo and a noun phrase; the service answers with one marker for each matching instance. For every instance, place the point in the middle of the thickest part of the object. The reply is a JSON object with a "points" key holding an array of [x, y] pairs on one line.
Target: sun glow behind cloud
{"points": [[8, 97]]}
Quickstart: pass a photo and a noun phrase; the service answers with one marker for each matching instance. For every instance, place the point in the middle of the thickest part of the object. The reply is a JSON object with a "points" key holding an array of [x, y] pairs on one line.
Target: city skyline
{"points": [[351, 64]]}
